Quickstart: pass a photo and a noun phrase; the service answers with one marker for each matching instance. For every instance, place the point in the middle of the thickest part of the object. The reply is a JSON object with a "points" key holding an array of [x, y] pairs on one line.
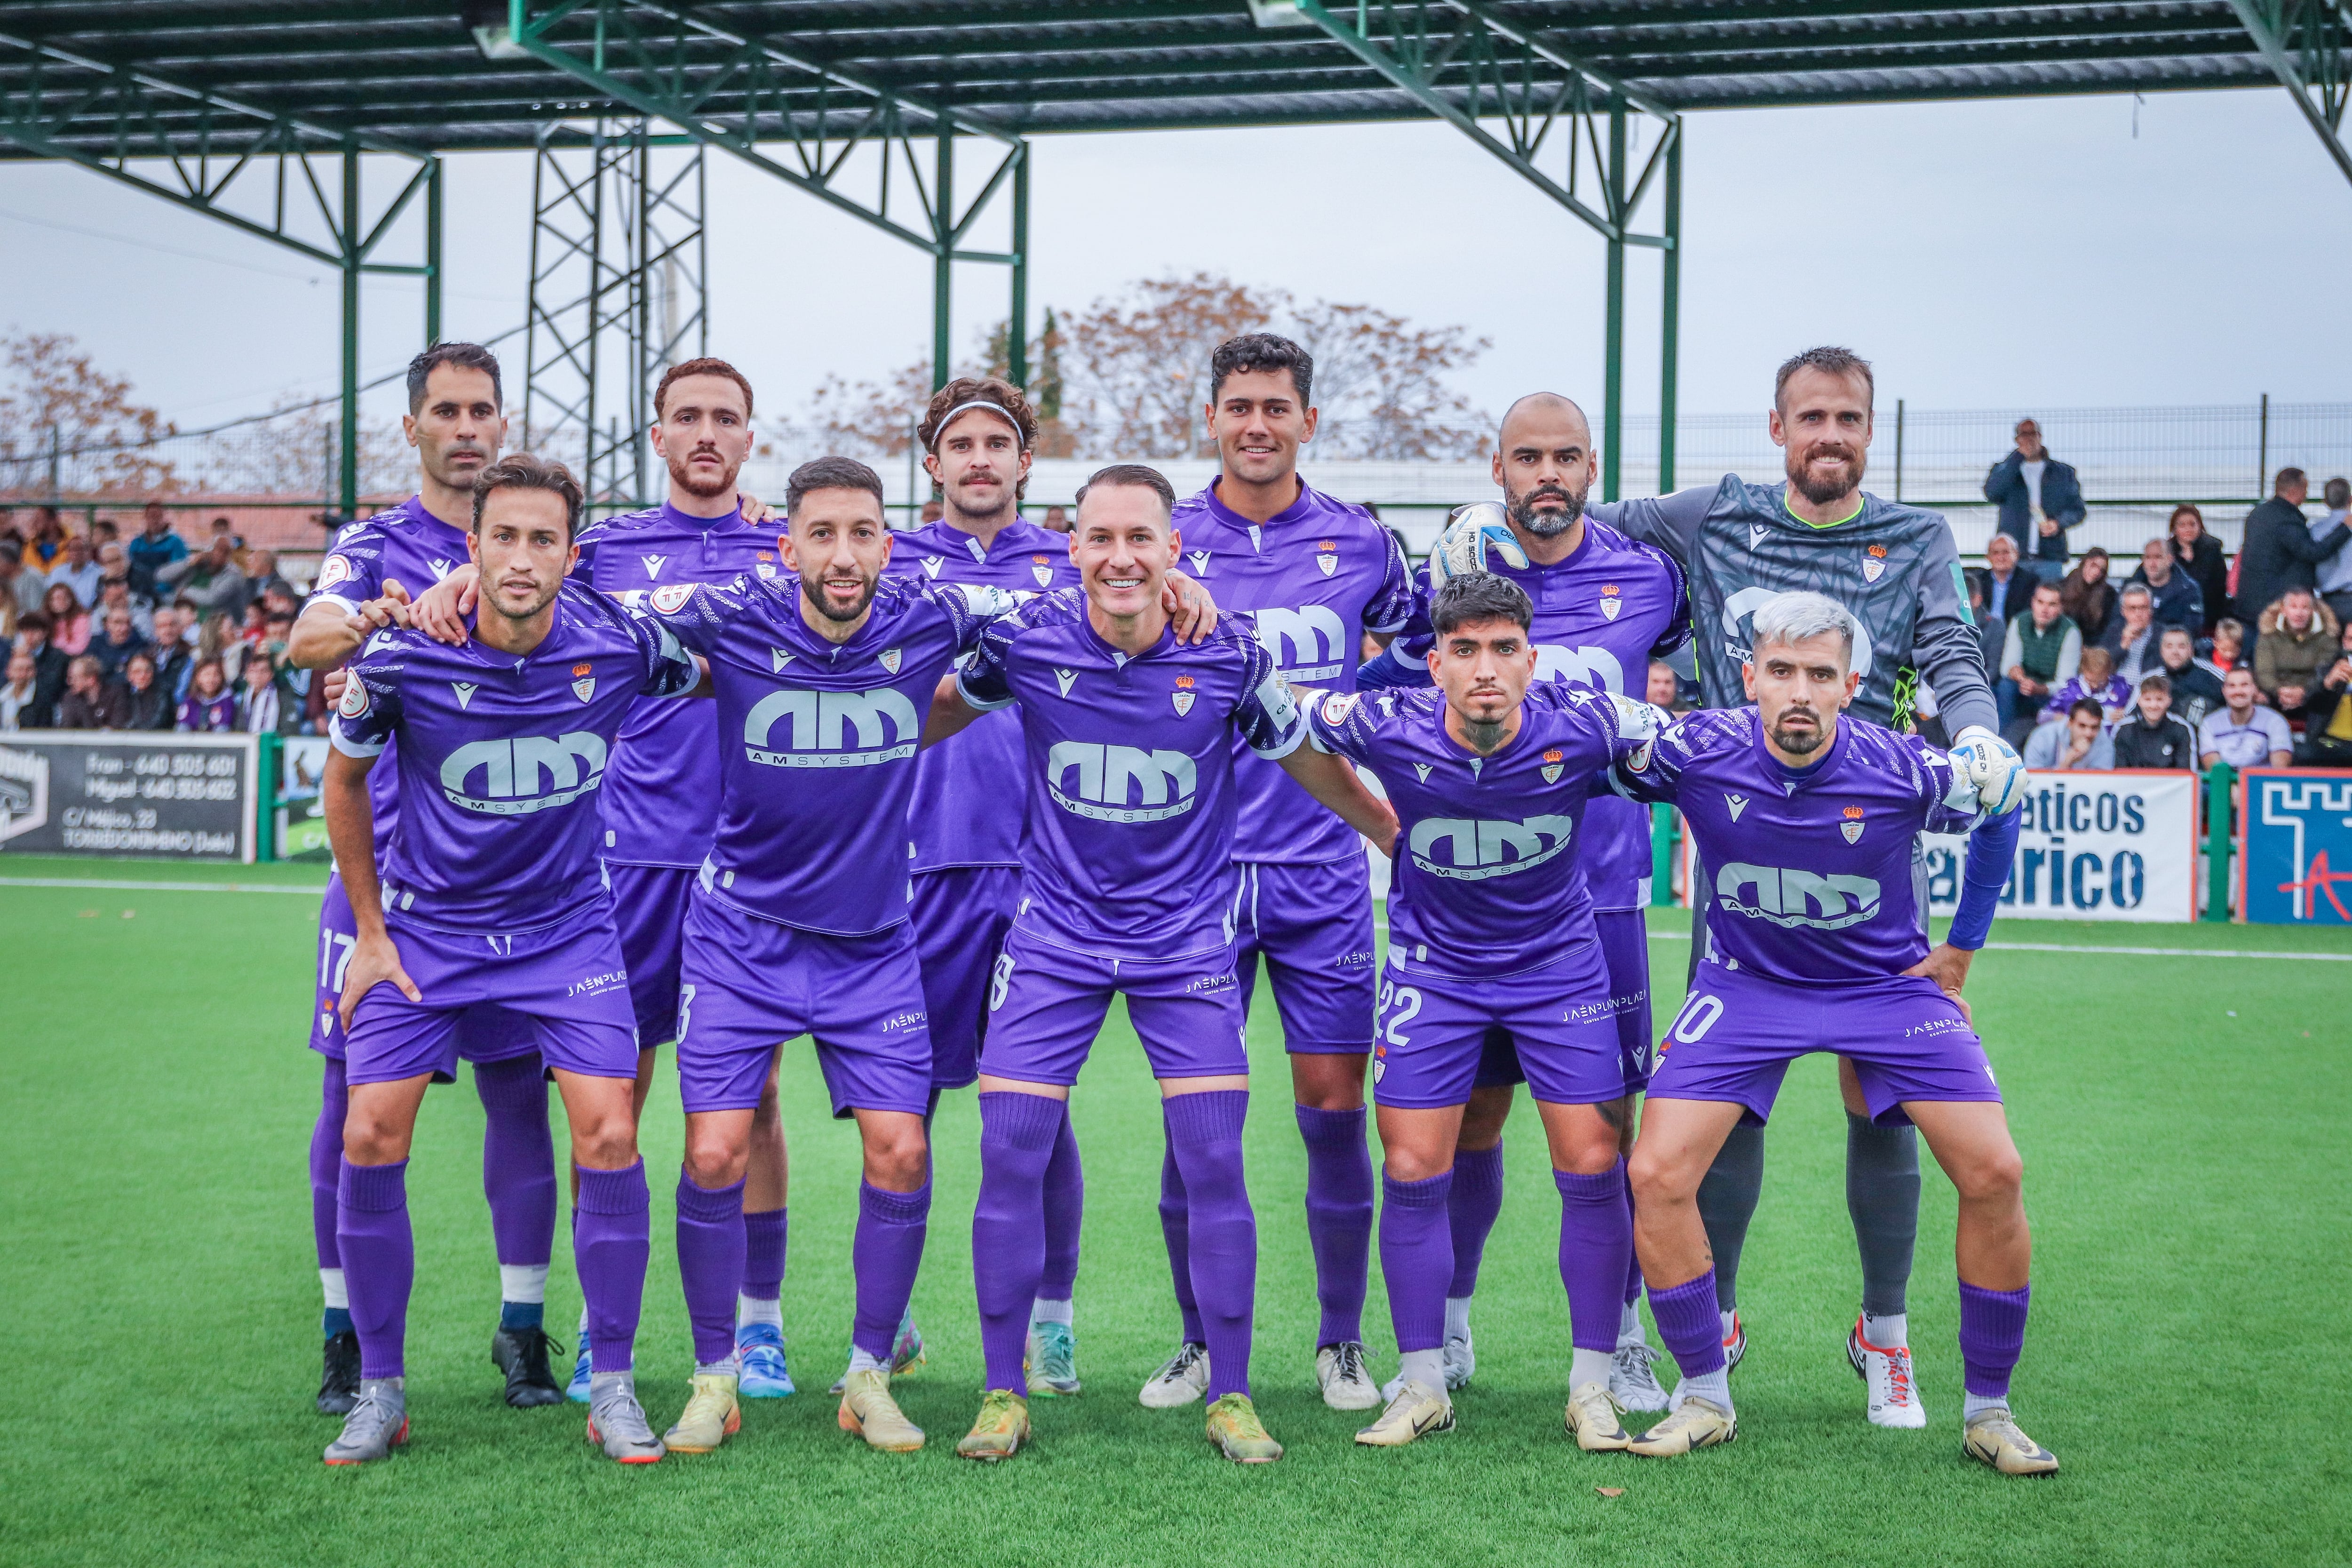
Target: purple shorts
{"points": [[1625, 953], [960, 915], [1440, 1036], [565, 981], [484, 1034], [1737, 1033], [1046, 1004], [1313, 926], [649, 906], [748, 984]]}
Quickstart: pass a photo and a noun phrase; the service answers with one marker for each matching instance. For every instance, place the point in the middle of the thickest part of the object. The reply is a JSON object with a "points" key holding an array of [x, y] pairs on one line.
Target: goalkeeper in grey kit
{"points": [[1895, 568]]}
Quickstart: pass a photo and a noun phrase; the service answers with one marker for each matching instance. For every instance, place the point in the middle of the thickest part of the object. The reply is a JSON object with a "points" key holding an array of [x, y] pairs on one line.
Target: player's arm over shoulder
{"points": [[1268, 716], [370, 709], [1656, 770], [1671, 522]]}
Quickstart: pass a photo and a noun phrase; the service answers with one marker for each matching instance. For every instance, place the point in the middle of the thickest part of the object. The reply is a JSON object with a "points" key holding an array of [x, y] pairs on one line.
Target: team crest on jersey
{"points": [[1327, 557], [1735, 804], [781, 657], [465, 690], [654, 563], [1065, 679], [1755, 532], [1184, 694], [1612, 602], [1554, 764], [335, 571], [1041, 569], [888, 660], [355, 704], [766, 566], [1874, 563], [1852, 826], [584, 681], [1200, 559], [672, 599], [1338, 706], [932, 565]]}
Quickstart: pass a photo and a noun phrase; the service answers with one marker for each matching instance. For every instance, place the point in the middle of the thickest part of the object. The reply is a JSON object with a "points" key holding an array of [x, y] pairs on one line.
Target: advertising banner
{"points": [[301, 813], [2297, 865], [2117, 846], [123, 793]]}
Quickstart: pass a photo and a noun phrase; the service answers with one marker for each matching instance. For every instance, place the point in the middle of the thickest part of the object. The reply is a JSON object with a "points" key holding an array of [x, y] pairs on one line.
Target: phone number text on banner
{"points": [[119, 793]]}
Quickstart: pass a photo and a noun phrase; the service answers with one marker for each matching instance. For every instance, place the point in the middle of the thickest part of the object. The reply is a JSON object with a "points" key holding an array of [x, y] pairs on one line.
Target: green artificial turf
{"points": [[2183, 1121]]}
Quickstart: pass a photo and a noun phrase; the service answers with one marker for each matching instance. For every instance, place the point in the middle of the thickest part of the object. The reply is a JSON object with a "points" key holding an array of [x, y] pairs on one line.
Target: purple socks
{"points": [[1065, 1205], [1992, 1336], [1204, 1132], [327, 1162], [1176, 1229], [884, 1257], [710, 1264], [763, 1254], [1596, 1234], [1017, 1135], [1416, 1257], [1470, 1212], [1339, 1217], [1691, 1324], [612, 1231], [379, 1256], [517, 1158]]}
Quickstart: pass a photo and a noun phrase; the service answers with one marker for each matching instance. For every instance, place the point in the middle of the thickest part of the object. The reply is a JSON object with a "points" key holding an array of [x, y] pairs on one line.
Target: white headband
{"points": [[996, 409]]}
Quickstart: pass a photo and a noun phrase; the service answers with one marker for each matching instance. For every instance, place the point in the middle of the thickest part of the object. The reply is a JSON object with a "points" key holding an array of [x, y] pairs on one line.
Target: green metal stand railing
{"points": [[1661, 856], [2219, 782]]}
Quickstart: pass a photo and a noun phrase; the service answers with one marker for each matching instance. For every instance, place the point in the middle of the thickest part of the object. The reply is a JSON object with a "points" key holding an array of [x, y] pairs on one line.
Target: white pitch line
{"points": [[314, 890], [2139, 951]]}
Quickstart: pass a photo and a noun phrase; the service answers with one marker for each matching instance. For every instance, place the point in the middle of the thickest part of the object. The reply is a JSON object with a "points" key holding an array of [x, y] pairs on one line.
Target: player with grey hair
{"points": [[1800, 617]]}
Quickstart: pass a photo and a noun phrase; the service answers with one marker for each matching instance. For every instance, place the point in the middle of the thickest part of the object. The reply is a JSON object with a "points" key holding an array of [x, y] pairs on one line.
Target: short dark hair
{"points": [[829, 474], [2337, 493], [522, 472], [1262, 351], [2156, 683], [1136, 475], [2287, 477], [1831, 360], [36, 621], [465, 356], [2047, 586], [705, 366], [2085, 705], [1475, 596]]}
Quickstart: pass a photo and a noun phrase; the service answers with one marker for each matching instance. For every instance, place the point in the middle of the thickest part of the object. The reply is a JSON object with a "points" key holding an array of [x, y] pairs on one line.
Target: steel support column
{"points": [[1612, 367], [943, 257], [347, 477], [1016, 325], [1670, 310], [2304, 43], [433, 211]]}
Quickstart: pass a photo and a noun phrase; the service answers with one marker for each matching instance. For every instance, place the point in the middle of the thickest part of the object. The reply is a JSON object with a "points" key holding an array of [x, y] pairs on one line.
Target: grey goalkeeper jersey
{"points": [[1894, 566]]}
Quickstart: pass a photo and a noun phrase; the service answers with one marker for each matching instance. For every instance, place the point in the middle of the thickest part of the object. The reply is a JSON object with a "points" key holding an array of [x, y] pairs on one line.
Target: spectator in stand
{"points": [[173, 658], [20, 699], [2177, 600], [255, 630], [210, 706], [211, 581], [933, 509], [90, 703], [2086, 595], [2334, 576], [152, 548], [2200, 555], [2080, 744], [223, 529], [262, 704], [2242, 733], [114, 593], [48, 545], [25, 588], [282, 602], [2229, 649], [10, 534], [1662, 688], [261, 571], [1057, 519], [2132, 636], [2328, 726], [146, 703], [49, 661], [1996, 591], [78, 570], [69, 622], [2196, 686], [2039, 499], [220, 641], [102, 534], [2280, 550], [2039, 652], [2095, 681], [117, 640], [2155, 736], [2297, 641]]}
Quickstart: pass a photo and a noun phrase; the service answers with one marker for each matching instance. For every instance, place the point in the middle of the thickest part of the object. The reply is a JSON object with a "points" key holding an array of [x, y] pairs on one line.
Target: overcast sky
{"points": [[2033, 254]]}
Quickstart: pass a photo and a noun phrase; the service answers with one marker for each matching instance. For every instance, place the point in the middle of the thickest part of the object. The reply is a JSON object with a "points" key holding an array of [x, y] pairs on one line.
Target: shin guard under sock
{"points": [[1205, 1130]]}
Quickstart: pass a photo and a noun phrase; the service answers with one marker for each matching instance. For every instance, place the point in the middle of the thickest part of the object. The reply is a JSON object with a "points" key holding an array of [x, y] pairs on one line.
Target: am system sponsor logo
{"points": [[1790, 896], [513, 777], [1476, 848], [1305, 644], [1121, 783], [832, 729]]}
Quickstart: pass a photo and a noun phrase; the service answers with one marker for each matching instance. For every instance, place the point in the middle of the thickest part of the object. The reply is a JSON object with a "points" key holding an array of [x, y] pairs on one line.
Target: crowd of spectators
{"points": [[150, 635]]}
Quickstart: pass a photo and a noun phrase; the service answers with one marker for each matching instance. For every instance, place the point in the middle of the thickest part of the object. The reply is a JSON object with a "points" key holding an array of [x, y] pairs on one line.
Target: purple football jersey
{"points": [[1128, 847], [661, 788], [1601, 615], [962, 813], [1812, 864], [1486, 876], [407, 545], [817, 739], [500, 759], [1314, 578]]}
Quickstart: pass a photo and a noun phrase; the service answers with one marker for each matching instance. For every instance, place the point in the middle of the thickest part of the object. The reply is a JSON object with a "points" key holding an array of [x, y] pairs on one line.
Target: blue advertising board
{"points": [[2296, 866]]}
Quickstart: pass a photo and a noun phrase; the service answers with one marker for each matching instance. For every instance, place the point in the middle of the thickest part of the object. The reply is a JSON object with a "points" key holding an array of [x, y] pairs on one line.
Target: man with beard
{"points": [[1895, 568], [1603, 606], [1316, 574]]}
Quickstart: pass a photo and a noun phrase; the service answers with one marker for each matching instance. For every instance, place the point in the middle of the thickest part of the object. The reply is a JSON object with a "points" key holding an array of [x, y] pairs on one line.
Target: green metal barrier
{"points": [[1662, 856], [2218, 840], [265, 797]]}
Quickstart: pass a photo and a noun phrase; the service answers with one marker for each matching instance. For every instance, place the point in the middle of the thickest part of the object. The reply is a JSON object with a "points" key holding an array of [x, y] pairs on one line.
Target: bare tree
{"points": [[1382, 384], [863, 419], [57, 400], [1139, 363]]}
